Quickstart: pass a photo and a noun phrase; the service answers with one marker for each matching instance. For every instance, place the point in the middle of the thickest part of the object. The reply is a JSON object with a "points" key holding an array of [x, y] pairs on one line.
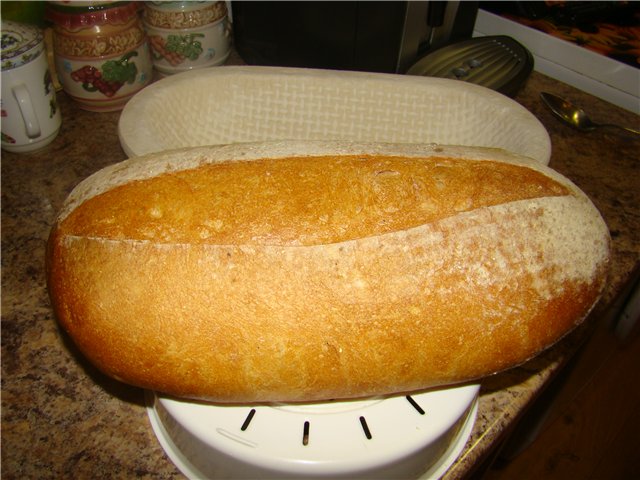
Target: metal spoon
{"points": [[574, 116]]}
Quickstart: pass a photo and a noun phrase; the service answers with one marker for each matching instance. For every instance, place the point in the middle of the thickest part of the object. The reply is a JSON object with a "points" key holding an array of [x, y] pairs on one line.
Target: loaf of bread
{"points": [[305, 271]]}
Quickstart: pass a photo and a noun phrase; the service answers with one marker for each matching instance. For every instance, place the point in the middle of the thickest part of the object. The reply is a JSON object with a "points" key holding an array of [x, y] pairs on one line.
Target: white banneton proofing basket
{"points": [[415, 436], [251, 104]]}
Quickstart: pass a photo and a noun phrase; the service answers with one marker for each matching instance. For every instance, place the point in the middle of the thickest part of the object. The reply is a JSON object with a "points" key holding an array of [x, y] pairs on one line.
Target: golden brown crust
{"points": [[344, 309], [299, 201]]}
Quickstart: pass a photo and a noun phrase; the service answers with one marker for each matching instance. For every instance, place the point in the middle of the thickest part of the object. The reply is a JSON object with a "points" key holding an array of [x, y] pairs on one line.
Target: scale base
{"points": [[369, 439]]}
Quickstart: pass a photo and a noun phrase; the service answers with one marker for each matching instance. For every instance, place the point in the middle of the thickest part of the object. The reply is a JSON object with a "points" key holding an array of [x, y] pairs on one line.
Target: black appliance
{"points": [[375, 36]]}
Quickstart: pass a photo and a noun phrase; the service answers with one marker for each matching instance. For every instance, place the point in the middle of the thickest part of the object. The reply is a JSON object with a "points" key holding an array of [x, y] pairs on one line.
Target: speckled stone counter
{"points": [[63, 419]]}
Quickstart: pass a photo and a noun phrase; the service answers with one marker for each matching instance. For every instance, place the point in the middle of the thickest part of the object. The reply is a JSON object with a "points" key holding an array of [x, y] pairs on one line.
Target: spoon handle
{"points": [[631, 130]]}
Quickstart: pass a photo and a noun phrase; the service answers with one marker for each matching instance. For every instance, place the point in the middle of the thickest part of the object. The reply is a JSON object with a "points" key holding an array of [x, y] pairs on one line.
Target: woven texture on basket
{"points": [[249, 104]]}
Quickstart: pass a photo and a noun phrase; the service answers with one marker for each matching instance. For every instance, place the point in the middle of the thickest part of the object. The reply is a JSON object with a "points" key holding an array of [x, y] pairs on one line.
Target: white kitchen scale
{"points": [[416, 436]]}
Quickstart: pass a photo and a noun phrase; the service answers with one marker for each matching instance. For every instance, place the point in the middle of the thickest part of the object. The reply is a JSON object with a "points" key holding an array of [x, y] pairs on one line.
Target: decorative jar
{"points": [[187, 35], [101, 52]]}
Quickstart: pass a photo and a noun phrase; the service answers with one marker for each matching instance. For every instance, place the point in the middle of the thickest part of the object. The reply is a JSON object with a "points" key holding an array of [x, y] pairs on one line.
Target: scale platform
{"points": [[414, 436]]}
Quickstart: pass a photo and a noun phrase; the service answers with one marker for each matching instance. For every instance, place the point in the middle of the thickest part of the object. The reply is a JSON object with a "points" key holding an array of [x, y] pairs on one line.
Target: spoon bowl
{"points": [[575, 116]]}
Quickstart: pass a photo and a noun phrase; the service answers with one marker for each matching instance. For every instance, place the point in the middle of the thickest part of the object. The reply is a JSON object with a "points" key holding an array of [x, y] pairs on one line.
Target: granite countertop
{"points": [[61, 418]]}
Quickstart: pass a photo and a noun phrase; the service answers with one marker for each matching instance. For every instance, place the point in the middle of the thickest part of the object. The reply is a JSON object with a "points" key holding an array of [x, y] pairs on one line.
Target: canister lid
{"points": [[171, 6], [79, 15], [21, 44], [181, 15]]}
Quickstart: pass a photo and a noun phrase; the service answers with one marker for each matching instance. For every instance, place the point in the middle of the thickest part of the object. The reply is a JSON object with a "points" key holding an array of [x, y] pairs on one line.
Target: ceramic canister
{"points": [[101, 52], [30, 115], [187, 35]]}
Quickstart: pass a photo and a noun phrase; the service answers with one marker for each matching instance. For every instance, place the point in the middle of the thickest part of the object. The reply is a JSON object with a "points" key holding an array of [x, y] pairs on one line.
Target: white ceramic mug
{"points": [[30, 114]]}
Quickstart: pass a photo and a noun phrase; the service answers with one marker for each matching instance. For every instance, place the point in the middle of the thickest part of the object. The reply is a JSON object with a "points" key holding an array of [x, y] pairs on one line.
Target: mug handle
{"points": [[26, 108]]}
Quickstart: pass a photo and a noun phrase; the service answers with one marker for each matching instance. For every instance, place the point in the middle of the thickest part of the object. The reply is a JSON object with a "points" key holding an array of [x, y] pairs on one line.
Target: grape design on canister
{"points": [[176, 48], [108, 79]]}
